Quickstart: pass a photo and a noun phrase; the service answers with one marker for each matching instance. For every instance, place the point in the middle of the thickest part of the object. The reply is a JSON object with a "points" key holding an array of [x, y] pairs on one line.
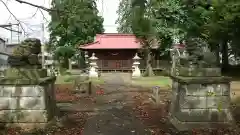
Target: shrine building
{"points": [[115, 51]]}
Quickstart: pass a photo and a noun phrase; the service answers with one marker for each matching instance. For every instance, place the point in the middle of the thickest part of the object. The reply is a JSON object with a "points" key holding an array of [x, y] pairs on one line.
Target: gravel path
{"points": [[114, 118]]}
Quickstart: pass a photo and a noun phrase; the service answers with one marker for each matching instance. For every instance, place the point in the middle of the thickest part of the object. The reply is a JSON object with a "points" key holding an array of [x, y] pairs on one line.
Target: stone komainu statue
{"points": [[26, 54], [199, 53], [197, 61]]}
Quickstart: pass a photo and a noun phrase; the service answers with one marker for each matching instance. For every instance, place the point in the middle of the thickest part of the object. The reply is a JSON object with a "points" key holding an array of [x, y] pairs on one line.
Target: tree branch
{"points": [[34, 5], [44, 16], [13, 16]]}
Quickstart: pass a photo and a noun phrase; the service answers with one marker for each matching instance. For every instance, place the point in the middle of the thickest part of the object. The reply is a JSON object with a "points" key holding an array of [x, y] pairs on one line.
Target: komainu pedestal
{"points": [[200, 94], [25, 103], [27, 98], [199, 102]]}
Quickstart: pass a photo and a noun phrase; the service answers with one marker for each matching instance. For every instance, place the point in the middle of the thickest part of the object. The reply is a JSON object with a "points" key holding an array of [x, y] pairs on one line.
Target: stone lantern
{"points": [[93, 61], [93, 66], [136, 63]]}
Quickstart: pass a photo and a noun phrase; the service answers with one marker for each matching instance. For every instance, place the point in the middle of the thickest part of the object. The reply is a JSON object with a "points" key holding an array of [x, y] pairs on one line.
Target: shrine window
{"points": [[125, 63], [105, 63]]}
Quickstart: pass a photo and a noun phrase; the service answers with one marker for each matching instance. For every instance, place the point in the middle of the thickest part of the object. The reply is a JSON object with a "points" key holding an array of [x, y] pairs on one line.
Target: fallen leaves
{"points": [[100, 92], [66, 94], [72, 125]]}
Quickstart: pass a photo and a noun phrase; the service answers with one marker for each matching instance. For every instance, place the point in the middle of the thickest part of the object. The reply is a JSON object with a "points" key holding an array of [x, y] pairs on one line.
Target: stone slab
{"points": [[201, 80], [23, 116], [209, 72], [25, 73], [8, 116], [189, 126], [200, 102], [32, 103], [32, 116], [203, 115], [8, 103], [21, 81]]}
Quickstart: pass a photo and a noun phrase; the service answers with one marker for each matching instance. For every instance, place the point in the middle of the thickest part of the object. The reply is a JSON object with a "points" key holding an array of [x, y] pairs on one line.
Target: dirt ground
{"points": [[235, 88], [154, 118]]}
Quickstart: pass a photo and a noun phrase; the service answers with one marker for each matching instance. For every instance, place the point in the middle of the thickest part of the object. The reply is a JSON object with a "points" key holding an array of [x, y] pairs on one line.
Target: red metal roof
{"points": [[113, 41]]}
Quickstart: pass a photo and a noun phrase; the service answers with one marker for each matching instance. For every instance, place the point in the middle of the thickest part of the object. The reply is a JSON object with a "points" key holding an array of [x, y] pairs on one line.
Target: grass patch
{"points": [[161, 81], [65, 79], [97, 80]]}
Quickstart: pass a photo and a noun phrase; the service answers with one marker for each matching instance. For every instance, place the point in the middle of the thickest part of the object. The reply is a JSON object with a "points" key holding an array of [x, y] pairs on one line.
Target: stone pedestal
{"points": [[27, 103], [200, 102], [93, 73], [136, 71]]}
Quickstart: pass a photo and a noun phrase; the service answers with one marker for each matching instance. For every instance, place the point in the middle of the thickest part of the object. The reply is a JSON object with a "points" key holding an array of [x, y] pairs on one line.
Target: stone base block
{"points": [[188, 126], [27, 102], [30, 127], [204, 115], [187, 72], [200, 102], [136, 74], [93, 75]]}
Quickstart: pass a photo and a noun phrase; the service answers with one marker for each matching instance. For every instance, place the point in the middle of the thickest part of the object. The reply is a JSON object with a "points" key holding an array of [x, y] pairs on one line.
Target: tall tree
{"points": [[141, 26], [153, 22], [169, 19], [123, 12], [216, 21], [74, 22]]}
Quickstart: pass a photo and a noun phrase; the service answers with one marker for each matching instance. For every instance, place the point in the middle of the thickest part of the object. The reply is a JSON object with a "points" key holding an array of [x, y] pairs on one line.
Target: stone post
{"points": [[93, 66], [136, 71], [155, 96], [69, 64], [43, 56], [86, 61], [173, 54]]}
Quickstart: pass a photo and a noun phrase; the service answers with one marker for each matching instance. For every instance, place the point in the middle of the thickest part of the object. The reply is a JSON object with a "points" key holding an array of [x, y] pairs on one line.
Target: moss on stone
{"points": [[25, 73], [26, 53], [201, 80], [198, 72]]}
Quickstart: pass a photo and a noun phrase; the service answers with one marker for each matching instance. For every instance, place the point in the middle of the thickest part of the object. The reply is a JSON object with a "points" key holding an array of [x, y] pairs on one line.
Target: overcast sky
{"points": [[33, 23]]}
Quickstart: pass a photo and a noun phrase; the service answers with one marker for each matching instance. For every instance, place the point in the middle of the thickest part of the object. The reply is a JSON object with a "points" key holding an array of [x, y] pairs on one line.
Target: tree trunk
{"points": [[225, 61], [217, 50], [148, 58]]}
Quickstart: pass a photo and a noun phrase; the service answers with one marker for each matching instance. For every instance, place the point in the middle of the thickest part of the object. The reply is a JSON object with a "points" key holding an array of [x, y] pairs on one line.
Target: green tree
{"points": [[141, 26], [124, 8], [74, 22], [153, 22], [169, 18], [62, 54], [217, 21]]}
